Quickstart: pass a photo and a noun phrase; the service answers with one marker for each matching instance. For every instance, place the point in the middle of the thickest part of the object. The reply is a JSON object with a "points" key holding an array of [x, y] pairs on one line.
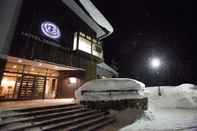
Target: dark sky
{"points": [[148, 28]]}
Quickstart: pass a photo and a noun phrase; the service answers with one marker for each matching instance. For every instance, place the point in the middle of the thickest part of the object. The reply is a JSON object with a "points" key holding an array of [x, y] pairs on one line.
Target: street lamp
{"points": [[155, 64]]}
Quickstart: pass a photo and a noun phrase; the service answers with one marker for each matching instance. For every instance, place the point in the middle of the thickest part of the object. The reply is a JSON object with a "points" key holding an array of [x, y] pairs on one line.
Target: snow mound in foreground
{"points": [[175, 109], [187, 85], [182, 96], [165, 120], [100, 89], [189, 95]]}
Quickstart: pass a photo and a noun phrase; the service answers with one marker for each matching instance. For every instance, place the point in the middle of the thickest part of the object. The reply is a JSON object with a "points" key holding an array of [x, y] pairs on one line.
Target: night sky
{"points": [[151, 28]]}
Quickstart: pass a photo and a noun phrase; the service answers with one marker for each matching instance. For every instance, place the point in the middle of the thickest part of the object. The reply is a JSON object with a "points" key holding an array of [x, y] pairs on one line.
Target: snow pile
{"points": [[110, 89], [165, 120], [175, 109], [189, 96], [187, 85], [182, 96]]}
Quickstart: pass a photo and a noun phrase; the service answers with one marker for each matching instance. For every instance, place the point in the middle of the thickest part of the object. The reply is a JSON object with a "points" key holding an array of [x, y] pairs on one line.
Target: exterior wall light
{"points": [[73, 80]]}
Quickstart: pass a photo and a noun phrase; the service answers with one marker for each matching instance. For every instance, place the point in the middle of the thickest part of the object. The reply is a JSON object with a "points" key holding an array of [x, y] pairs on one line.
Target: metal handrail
{"points": [[108, 91]]}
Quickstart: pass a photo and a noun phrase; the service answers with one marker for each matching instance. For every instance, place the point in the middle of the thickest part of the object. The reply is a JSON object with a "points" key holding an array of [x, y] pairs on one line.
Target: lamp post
{"points": [[155, 65]]}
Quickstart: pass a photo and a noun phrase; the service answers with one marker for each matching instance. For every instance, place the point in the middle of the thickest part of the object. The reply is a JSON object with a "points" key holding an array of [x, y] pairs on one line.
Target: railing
{"points": [[108, 91]]}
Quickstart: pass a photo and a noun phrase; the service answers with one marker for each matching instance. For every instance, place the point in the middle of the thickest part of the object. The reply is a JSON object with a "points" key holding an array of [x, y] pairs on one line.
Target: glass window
{"points": [[88, 45], [84, 45], [52, 73], [51, 87], [9, 86], [88, 37], [95, 41], [12, 67], [82, 34], [97, 51], [35, 70]]}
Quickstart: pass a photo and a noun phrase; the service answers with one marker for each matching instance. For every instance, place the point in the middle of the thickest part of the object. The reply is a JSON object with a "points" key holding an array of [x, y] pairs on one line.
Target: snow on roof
{"points": [[106, 67], [97, 15], [113, 84], [95, 20]]}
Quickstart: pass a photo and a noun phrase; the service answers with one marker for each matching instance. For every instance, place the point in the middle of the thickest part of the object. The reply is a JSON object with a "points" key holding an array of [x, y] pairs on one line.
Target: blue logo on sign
{"points": [[50, 30]]}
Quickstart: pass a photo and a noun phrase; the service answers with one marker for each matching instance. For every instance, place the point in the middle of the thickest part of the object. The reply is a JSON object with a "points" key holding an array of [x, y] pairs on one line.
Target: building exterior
{"points": [[49, 48]]}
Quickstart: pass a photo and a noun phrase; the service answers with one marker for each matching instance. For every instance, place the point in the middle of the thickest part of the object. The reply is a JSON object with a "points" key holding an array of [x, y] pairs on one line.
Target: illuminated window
{"points": [[82, 34], [94, 41], [87, 45], [88, 37], [84, 45], [97, 51]]}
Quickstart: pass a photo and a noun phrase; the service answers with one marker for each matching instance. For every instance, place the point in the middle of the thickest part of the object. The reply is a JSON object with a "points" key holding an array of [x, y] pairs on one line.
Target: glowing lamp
{"points": [[73, 80]]}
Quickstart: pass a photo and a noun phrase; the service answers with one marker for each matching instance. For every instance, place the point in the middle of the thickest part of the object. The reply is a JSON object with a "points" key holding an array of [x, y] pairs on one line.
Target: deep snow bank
{"points": [[182, 96], [175, 109], [110, 89], [165, 120]]}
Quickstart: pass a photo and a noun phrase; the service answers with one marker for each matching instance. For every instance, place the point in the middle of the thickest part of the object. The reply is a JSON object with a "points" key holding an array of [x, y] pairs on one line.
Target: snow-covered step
{"points": [[63, 125], [37, 110], [38, 120], [35, 115], [101, 122], [52, 118], [41, 123]]}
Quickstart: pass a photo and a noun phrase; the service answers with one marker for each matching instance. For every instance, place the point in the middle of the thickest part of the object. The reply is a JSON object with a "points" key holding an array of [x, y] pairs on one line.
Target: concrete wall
{"points": [[65, 88], [9, 11]]}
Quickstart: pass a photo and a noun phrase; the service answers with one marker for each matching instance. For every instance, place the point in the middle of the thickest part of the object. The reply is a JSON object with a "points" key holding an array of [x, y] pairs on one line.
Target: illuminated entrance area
{"points": [[28, 82]]}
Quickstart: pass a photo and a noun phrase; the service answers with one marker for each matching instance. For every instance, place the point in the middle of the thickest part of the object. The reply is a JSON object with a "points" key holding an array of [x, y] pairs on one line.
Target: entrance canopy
{"points": [[42, 64]]}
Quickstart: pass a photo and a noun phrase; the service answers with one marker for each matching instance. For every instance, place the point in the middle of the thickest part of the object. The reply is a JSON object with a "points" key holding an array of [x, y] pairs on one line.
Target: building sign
{"points": [[50, 30]]}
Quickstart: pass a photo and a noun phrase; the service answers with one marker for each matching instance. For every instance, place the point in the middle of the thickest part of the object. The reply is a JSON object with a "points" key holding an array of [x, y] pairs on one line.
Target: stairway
{"points": [[70, 117]]}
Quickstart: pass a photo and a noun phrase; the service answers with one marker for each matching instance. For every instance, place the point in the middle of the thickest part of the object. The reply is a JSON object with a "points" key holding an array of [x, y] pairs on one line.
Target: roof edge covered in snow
{"points": [[91, 16], [108, 68]]}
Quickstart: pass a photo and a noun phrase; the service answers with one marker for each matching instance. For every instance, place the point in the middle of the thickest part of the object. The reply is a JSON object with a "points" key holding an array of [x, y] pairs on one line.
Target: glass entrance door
{"points": [[39, 87], [32, 87], [26, 87], [51, 88]]}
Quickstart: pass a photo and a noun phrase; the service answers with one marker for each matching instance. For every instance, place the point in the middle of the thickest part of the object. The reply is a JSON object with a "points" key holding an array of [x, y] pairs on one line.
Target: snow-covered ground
{"points": [[175, 109]]}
